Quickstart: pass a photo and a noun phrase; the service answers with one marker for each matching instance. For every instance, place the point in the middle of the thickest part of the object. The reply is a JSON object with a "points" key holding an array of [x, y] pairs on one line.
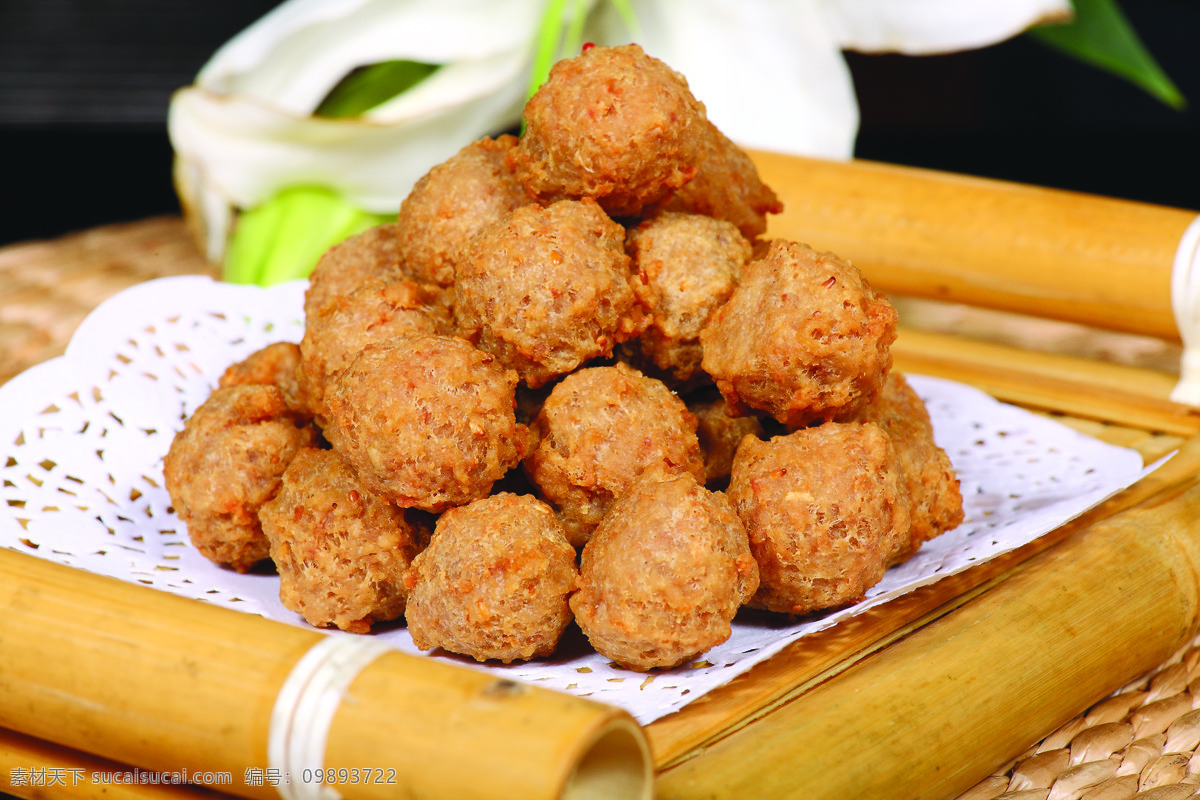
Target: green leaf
{"points": [[1100, 35], [367, 87], [283, 238], [548, 40]]}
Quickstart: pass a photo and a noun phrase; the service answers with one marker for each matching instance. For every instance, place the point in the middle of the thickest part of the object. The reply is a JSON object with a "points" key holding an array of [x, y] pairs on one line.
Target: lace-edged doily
{"points": [[83, 438]]}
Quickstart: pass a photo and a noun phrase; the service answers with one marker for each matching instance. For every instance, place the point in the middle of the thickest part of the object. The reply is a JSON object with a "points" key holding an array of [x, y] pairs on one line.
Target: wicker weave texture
{"points": [[1138, 743], [47, 288]]}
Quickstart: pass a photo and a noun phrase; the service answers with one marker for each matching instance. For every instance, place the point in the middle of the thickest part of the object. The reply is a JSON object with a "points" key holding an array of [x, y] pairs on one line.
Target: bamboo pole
{"points": [[168, 684], [1062, 255], [41, 770], [1132, 396], [935, 712]]}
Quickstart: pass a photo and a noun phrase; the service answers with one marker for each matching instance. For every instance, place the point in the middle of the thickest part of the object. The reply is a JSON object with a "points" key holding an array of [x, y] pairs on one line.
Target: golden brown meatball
{"points": [[274, 365], [664, 574], [547, 288], [342, 552], [493, 583], [225, 463], [803, 338], [925, 467], [613, 124], [825, 509], [427, 421], [451, 203], [719, 433], [690, 264], [373, 312], [728, 187], [599, 429], [371, 255]]}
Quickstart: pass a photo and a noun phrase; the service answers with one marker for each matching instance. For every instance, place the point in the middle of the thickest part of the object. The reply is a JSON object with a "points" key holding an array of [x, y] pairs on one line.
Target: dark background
{"points": [[84, 88]]}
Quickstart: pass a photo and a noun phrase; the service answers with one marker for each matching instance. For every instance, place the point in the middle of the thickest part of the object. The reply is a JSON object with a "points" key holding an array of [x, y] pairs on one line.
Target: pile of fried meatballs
{"points": [[573, 382]]}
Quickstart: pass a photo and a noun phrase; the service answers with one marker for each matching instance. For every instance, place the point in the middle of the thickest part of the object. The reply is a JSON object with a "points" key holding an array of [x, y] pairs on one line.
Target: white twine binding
{"points": [[1185, 301], [304, 710]]}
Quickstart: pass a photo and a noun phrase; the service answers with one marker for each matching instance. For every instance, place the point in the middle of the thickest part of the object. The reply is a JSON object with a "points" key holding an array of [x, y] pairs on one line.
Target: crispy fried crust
{"points": [[804, 338], [925, 467], [372, 312], [449, 205], [373, 254], [494, 582], [727, 186], [342, 552], [690, 265], [719, 433], [599, 429], [826, 511], [427, 421], [274, 365], [664, 574], [225, 463], [613, 124], [546, 289]]}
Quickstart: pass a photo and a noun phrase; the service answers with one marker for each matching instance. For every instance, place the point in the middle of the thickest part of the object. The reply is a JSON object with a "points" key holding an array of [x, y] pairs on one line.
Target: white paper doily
{"points": [[83, 436]]}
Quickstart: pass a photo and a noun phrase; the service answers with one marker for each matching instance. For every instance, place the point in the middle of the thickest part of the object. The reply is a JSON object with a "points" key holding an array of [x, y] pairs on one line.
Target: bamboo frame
{"points": [[197, 683]]}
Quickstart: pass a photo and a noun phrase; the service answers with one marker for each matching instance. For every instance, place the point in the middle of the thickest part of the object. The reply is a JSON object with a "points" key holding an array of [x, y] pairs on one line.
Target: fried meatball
{"points": [[372, 254], [274, 365], [599, 429], [803, 338], [225, 463], [719, 433], [426, 420], [613, 124], [342, 552], [727, 187], [664, 574], [373, 312], [493, 583], [926, 470], [690, 264], [547, 288], [451, 203], [826, 510]]}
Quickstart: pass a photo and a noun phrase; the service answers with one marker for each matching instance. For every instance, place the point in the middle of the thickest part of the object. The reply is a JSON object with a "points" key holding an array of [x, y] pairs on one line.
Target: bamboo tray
{"points": [[996, 678]]}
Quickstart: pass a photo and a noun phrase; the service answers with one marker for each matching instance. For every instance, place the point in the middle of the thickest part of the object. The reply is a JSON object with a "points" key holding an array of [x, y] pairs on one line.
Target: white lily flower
{"points": [[770, 72], [246, 129]]}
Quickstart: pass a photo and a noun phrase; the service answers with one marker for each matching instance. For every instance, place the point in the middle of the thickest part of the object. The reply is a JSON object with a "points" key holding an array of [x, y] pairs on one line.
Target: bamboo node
{"points": [[1185, 302], [304, 710]]}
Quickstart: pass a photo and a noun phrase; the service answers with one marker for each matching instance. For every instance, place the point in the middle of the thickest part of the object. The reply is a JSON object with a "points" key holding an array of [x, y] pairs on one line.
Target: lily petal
{"points": [[770, 73], [239, 151], [250, 150], [295, 54], [918, 27]]}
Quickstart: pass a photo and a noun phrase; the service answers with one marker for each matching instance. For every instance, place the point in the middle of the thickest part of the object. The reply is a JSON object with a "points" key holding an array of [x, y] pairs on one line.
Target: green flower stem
{"points": [[283, 238]]}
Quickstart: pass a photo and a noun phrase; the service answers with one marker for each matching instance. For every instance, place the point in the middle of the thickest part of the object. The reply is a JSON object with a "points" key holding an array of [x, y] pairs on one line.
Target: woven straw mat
{"points": [[47, 288]]}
